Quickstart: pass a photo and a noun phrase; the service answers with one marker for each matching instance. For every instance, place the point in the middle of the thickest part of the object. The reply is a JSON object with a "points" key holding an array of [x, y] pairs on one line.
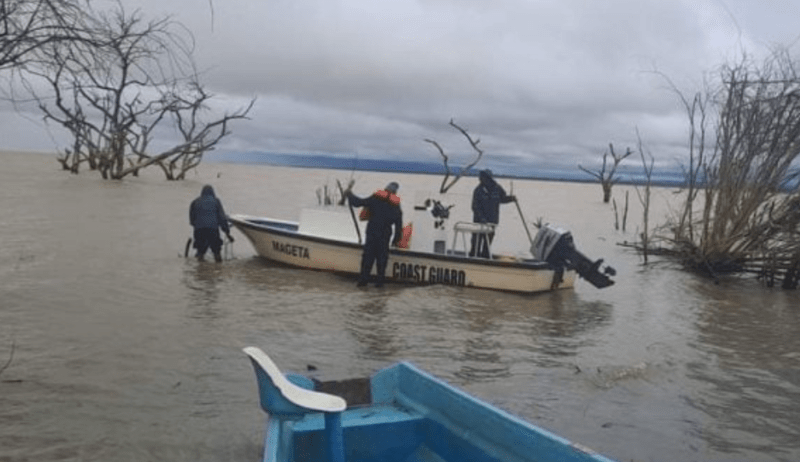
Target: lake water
{"points": [[123, 350]]}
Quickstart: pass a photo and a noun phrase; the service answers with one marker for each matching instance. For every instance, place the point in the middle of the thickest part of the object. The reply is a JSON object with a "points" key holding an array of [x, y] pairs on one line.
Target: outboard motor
{"points": [[555, 246]]}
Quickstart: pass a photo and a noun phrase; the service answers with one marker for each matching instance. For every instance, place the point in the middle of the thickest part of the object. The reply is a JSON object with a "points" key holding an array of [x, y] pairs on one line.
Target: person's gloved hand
{"points": [[230, 238]]}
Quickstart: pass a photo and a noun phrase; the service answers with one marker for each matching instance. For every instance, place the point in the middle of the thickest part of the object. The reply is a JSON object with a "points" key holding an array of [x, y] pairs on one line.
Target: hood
{"points": [[485, 177], [207, 191]]}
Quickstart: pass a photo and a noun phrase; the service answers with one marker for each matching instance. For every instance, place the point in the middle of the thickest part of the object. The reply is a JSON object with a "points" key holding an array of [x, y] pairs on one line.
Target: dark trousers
{"points": [[480, 244], [205, 238], [375, 251]]}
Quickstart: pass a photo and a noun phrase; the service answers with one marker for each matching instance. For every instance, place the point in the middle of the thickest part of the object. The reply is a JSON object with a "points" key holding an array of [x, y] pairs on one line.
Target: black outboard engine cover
{"points": [[555, 246]]}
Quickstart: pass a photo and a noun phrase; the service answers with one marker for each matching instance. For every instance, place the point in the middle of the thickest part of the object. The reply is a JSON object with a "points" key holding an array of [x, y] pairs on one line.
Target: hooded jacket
{"points": [[486, 200], [206, 211]]}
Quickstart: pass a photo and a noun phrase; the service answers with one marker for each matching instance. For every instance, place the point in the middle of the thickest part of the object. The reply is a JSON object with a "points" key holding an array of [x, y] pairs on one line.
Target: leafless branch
{"points": [[28, 25], [10, 357], [644, 197], [474, 143]]}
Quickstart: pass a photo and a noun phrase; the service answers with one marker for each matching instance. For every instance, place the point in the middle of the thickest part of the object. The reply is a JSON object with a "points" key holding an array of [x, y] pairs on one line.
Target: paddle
{"points": [[186, 251], [352, 212], [521, 216], [523, 221], [355, 221]]}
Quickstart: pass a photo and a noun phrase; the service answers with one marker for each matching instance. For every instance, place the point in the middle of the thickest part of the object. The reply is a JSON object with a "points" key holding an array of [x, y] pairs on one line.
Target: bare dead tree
{"points": [[112, 92], [607, 178], [750, 206], [444, 187]]}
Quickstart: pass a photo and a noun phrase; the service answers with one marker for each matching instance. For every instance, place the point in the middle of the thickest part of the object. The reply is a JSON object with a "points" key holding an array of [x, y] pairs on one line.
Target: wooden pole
{"points": [[352, 214], [524, 223], [521, 216]]}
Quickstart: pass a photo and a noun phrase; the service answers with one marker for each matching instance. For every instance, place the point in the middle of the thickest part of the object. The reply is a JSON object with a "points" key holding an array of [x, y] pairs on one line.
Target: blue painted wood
{"points": [[334, 435], [415, 417], [489, 428]]}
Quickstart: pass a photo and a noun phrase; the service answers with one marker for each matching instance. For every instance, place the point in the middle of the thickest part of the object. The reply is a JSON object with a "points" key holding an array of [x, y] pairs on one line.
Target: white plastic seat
{"points": [[280, 396], [288, 403], [464, 228]]}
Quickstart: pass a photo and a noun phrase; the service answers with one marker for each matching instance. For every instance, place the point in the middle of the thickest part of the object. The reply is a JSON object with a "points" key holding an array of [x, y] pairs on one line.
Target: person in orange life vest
{"points": [[384, 212], [486, 200]]}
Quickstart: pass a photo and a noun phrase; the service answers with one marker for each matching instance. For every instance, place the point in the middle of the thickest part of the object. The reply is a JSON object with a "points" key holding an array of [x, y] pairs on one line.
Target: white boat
{"points": [[329, 239]]}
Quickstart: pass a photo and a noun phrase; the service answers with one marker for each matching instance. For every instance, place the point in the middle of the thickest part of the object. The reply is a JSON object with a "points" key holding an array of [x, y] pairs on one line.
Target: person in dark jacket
{"points": [[486, 200], [207, 216], [383, 212]]}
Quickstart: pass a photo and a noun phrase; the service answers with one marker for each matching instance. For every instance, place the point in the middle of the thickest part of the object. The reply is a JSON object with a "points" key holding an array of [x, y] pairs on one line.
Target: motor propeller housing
{"points": [[556, 246]]}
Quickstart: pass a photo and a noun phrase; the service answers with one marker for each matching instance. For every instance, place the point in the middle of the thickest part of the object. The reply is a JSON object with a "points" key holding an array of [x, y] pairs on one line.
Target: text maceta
{"points": [[291, 249]]}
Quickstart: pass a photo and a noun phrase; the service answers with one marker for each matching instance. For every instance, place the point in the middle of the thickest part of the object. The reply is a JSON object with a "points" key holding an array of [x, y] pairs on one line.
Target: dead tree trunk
{"points": [[607, 178]]}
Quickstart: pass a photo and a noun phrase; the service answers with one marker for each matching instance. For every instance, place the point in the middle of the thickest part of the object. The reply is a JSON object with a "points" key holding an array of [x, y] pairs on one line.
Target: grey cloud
{"points": [[553, 81]]}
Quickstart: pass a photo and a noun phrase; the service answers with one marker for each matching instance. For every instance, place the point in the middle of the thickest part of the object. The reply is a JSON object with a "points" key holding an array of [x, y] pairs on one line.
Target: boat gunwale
{"points": [[452, 403]]}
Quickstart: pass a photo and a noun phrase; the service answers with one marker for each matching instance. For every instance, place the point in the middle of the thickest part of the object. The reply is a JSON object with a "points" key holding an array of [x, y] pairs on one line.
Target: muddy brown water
{"points": [[123, 350]]}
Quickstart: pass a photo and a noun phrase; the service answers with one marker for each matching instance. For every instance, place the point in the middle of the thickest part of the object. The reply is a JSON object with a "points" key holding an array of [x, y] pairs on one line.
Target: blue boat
{"points": [[400, 414]]}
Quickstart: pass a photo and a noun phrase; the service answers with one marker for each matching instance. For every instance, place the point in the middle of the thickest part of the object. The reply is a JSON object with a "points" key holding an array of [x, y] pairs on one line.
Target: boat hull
{"points": [[409, 415], [281, 241]]}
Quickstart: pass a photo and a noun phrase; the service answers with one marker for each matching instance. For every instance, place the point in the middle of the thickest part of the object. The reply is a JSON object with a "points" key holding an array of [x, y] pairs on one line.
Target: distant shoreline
{"points": [[624, 177]]}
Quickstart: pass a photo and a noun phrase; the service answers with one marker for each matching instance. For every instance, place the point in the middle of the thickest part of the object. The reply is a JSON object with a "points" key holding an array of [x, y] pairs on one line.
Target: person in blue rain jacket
{"points": [[486, 200], [207, 217]]}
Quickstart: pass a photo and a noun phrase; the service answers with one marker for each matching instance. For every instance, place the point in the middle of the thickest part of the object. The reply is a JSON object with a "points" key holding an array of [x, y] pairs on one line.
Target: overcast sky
{"points": [[539, 82]]}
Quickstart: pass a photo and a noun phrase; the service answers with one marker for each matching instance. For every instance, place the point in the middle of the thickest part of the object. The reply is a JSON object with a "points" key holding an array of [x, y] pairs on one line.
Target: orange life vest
{"points": [[387, 196], [406, 239], [382, 194]]}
